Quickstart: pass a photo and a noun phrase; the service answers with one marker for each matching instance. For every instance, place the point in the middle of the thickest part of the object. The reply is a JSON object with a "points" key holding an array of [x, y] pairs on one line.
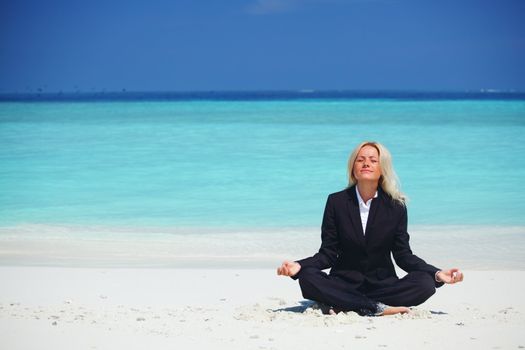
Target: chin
{"points": [[368, 178]]}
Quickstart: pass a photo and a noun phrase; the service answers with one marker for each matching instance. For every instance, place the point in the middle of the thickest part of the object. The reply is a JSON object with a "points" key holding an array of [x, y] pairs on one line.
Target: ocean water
{"points": [[252, 164]]}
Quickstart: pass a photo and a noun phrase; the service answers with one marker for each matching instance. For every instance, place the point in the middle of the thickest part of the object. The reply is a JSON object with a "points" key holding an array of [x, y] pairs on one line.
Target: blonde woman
{"points": [[362, 225]]}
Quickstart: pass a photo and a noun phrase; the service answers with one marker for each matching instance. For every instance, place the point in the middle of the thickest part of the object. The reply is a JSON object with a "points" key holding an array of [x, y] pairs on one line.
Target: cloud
{"points": [[263, 7]]}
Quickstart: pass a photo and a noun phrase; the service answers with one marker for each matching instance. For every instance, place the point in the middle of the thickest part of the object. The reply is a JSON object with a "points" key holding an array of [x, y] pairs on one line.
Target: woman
{"points": [[362, 225]]}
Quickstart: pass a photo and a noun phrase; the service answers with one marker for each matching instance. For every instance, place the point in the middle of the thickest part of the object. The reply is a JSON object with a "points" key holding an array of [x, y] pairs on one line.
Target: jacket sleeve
{"points": [[330, 246], [403, 255]]}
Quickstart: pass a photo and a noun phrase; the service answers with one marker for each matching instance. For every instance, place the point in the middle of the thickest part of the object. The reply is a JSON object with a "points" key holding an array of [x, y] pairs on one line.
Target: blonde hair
{"points": [[388, 181]]}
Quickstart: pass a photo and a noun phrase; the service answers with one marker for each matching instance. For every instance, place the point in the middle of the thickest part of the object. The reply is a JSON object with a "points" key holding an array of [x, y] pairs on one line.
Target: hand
{"points": [[450, 276], [289, 268]]}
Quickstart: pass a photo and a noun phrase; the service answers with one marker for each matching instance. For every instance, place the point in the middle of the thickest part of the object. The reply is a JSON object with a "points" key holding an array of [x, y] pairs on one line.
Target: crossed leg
{"points": [[411, 290]]}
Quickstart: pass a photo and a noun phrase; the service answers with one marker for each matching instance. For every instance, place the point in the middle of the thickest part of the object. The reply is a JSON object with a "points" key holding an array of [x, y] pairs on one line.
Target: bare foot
{"points": [[327, 309], [333, 311], [392, 310]]}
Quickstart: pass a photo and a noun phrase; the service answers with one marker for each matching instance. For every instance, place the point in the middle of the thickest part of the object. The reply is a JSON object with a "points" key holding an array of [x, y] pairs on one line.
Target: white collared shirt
{"points": [[364, 208]]}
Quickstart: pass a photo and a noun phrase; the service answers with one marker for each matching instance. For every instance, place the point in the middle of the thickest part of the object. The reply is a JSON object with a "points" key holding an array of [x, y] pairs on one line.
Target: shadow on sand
{"points": [[305, 304]]}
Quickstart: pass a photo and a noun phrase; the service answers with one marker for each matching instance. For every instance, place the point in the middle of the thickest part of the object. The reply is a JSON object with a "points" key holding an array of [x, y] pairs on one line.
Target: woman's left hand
{"points": [[450, 276]]}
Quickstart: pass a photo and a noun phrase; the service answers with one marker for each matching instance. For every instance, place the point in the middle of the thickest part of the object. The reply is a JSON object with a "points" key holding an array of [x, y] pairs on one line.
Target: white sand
{"points": [[147, 308], [470, 247], [172, 290]]}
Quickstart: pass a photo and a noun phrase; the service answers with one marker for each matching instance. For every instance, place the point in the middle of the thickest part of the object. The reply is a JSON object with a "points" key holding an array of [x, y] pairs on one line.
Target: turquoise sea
{"points": [[260, 162]]}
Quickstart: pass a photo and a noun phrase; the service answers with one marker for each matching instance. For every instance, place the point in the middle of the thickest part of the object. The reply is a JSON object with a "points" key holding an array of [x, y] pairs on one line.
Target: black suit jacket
{"points": [[356, 256]]}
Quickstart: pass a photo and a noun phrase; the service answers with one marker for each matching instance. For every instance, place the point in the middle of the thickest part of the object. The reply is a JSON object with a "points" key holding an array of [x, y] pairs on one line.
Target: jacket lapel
{"points": [[355, 216], [374, 208]]}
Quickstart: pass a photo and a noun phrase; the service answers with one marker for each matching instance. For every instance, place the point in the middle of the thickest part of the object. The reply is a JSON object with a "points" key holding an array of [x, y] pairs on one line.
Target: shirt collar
{"points": [[361, 201]]}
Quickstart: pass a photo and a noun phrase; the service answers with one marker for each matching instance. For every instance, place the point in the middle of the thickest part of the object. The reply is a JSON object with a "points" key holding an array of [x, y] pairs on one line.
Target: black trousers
{"points": [[413, 289]]}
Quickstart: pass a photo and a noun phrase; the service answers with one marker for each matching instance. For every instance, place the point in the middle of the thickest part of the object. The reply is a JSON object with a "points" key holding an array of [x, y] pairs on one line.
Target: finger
{"points": [[454, 277]]}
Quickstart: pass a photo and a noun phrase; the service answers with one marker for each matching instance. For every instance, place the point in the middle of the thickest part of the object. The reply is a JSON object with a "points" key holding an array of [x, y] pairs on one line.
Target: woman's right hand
{"points": [[289, 268]]}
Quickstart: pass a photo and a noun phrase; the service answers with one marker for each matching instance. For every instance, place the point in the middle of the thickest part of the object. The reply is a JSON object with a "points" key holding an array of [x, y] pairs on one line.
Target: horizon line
{"points": [[239, 95], [302, 90]]}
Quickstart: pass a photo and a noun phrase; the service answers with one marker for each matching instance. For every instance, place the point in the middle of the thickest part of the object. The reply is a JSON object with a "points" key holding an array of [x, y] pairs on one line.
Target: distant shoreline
{"points": [[261, 95]]}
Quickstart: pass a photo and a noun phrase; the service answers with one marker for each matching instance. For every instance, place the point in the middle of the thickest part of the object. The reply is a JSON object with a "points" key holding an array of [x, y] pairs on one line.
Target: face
{"points": [[366, 165]]}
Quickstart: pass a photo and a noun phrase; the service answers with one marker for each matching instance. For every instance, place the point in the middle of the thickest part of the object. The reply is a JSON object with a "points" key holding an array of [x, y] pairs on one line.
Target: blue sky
{"points": [[177, 45]]}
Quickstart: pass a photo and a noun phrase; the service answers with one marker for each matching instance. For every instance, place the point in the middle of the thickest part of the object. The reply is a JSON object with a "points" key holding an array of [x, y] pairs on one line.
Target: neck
{"points": [[367, 190]]}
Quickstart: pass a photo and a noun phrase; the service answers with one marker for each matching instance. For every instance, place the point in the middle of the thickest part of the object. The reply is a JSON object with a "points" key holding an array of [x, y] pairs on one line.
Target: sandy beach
{"points": [[227, 308], [221, 291]]}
